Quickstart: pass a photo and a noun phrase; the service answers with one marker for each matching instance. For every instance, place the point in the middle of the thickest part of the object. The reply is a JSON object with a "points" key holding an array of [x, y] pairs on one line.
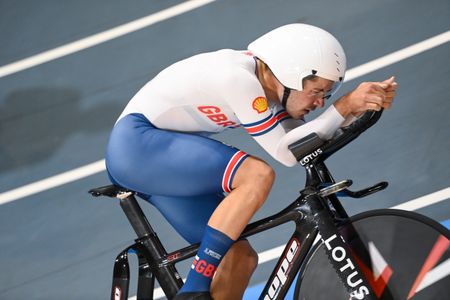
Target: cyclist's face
{"points": [[313, 95]]}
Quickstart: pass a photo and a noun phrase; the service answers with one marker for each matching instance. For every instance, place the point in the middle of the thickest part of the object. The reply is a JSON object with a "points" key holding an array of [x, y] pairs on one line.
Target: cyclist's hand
{"points": [[368, 96]]}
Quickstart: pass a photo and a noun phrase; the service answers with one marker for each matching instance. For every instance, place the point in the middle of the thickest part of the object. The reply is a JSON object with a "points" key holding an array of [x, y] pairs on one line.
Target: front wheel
{"points": [[405, 256]]}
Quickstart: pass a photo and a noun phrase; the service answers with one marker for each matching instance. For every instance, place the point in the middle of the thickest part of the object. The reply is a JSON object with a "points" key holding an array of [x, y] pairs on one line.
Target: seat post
{"points": [[136, 216], [149, 245]]}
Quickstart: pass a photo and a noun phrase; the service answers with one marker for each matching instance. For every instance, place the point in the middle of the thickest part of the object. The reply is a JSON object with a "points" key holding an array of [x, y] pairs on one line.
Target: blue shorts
{"points": [[184, 175]]}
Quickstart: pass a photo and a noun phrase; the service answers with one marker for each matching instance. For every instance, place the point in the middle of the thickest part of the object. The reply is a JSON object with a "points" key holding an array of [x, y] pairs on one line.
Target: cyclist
{"points": [[160, 145]]}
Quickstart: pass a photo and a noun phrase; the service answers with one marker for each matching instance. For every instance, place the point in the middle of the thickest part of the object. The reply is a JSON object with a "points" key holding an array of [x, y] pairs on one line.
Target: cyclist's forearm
{"points": [[324, 125]]}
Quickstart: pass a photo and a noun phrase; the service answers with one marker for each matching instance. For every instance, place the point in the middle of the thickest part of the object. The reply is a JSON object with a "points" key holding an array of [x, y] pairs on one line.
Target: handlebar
{"points": [[312, 147]]}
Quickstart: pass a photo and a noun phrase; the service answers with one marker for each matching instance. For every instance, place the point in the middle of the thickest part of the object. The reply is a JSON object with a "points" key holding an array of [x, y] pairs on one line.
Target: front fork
{"points": [[338, 251]]}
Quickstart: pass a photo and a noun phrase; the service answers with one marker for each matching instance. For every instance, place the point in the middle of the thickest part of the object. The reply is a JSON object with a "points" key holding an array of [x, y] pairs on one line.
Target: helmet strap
{"points": [[286, 93]]}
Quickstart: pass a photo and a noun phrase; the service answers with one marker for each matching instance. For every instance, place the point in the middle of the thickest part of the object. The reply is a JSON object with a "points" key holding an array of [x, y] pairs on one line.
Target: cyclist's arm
{"points": [[349, 120], [325, 125], [290, 123]]}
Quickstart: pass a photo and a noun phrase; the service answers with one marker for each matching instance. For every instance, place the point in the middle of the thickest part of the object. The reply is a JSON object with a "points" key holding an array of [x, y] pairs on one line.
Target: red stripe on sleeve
{"points": [[262, 127], [282, 115]]}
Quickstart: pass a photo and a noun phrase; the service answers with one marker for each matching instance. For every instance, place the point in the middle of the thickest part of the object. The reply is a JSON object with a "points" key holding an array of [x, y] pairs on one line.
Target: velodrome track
{"points": [[68, 68]]}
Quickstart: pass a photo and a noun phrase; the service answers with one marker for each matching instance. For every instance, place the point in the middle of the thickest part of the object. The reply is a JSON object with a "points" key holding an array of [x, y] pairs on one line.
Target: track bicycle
{"points": [[381, 254]]}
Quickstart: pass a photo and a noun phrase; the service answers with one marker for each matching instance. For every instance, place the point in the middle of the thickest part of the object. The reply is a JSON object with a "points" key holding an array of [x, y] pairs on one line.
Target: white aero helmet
{"points": [[296, 51]]}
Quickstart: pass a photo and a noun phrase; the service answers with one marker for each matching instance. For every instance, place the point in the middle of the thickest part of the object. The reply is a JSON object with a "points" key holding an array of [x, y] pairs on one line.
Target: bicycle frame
{"points": [[313, 212], [155, 262]]}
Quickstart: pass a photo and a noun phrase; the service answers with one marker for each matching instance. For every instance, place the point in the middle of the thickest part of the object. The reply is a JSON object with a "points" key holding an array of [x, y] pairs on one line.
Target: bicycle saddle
{"points": [[108, 190]]}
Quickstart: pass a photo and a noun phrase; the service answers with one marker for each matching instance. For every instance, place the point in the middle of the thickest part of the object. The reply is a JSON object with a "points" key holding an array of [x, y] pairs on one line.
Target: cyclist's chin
{"points": [[300, 114]]}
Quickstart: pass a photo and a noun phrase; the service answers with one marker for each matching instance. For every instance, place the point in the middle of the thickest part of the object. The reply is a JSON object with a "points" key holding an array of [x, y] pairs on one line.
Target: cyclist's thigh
{"points": [[188, 215], [161, 162]]}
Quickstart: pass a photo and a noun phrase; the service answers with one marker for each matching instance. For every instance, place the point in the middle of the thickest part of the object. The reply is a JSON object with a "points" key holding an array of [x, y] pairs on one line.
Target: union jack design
{"points": [[231, 169], [261, 127]]}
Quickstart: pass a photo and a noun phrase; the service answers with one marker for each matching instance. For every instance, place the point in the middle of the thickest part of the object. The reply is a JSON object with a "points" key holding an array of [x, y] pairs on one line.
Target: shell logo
{"points": [[260, 104]]}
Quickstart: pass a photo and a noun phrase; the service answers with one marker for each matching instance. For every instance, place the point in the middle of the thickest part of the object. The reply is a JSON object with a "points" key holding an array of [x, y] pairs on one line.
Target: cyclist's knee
{"points": [[256, 173]]}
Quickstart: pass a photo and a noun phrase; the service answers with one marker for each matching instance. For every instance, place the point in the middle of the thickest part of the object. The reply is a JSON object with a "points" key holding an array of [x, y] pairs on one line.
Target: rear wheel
{"points": [[407, 257]]}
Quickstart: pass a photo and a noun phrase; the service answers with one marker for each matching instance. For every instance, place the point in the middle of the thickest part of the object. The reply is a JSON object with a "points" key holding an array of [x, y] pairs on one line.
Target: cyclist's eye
{"points": [[321, 94]]}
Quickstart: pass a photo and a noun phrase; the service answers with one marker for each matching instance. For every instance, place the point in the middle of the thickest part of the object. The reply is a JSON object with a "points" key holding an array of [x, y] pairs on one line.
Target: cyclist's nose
{"points": [[320, 102]]}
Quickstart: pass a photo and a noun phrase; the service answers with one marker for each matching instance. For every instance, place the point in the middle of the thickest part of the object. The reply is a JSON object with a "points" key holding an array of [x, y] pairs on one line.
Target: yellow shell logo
{"points": [[260, 104]]}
